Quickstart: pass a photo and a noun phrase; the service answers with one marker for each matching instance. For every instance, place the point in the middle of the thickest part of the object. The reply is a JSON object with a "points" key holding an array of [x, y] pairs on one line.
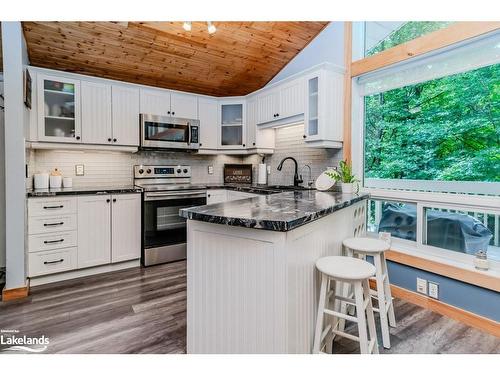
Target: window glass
{"points": [[463, 232], [397, 218], [445, 129], [380, 36]]}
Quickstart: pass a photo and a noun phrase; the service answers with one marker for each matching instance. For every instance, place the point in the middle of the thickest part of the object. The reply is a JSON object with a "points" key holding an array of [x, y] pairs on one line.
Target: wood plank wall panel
{"points": [[239, 58]]}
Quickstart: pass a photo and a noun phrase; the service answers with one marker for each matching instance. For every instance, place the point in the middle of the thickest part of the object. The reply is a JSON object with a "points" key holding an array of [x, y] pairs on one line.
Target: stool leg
{"points": [[332, 320], [348, 292], [319, 318], [369, 316], [360, 315], [379, 276], [388, 294]]}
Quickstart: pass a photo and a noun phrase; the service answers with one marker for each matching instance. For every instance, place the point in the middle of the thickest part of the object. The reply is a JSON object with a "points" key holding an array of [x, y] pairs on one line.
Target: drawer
{"points": [[51, 261], [51, 224], [51, 241], [51, 206]]}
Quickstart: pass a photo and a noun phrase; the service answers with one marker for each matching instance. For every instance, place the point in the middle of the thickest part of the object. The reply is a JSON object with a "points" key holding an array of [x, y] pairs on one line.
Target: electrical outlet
{"points": [[421, 285], [210, 169], [433, 290], [79, 170]]}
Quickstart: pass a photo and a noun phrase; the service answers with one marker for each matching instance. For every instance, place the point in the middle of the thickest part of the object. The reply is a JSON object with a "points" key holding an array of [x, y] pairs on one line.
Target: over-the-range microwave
{"points": [[165, 132]]}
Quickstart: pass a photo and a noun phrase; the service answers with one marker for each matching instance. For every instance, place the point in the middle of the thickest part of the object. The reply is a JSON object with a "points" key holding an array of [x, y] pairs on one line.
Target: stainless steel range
{"points": [[167, 189]]}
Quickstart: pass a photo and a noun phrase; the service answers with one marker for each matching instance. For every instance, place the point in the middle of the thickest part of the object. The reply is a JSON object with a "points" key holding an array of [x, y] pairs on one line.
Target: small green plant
{"points": [[343, 173]]}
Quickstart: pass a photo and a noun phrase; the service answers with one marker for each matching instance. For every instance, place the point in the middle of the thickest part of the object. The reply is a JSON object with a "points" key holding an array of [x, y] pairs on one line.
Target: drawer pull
{"points": [[53, 241], [53, 224], [54, 261], [52, 207]]}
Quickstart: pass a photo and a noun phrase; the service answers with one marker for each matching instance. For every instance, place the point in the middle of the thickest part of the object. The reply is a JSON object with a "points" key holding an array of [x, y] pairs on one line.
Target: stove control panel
{"points": [[161, 171]]}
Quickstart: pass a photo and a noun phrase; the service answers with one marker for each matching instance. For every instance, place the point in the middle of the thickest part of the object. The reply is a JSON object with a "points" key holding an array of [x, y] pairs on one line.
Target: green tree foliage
{"points": [[443, 129]]}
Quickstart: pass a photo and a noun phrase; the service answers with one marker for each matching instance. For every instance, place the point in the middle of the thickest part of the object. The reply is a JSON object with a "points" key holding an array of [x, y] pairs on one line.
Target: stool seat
{"points": [[345, 268], [366, 244]]}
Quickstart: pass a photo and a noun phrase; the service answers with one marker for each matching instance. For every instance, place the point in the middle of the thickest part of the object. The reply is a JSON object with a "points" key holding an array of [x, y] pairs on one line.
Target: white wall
{"points": [[327, 46]]}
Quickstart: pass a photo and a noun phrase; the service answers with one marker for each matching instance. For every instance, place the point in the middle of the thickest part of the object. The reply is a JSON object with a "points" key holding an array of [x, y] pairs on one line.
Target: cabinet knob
{"points": [[114, 139], [244, 145], [77, 137], [209, 195], [304, 136], [114, 200], [277, 115], [201, 144], [109, 139], [173, 113], [168, 112], [253, 144], [108, 200]]}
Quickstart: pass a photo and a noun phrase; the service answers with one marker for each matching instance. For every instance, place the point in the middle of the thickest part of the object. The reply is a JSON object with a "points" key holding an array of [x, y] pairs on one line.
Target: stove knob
{"points": [[185, 170], [149, 171], [141, 171], [179, 170]]}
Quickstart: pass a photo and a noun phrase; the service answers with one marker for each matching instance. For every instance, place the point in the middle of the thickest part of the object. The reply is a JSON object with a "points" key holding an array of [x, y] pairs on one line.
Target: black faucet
{"points": [[296, 179]]}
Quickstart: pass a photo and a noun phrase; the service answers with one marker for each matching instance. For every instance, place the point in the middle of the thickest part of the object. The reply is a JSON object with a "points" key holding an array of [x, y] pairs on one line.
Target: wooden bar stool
{"points": [[363, 246], [356, 272]]}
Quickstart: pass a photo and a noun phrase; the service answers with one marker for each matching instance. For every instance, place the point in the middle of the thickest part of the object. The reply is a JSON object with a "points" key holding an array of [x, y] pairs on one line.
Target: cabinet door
{"points": [[184, 105], [252, 111], [96, 113], [125, 104], [155, 102], [208, 115], [59, 112], [312, 108], [268, 104], [126, 227], [292, 99], [94, 230], [232, 130]]}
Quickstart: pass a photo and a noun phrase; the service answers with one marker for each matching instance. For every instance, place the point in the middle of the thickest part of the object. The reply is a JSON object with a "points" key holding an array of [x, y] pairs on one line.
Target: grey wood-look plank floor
{"points": [[143, 310]]}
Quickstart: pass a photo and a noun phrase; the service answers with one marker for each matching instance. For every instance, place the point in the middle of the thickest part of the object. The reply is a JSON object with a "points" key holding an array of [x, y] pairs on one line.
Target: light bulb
{"points": [[211, 28], [186, 26]]}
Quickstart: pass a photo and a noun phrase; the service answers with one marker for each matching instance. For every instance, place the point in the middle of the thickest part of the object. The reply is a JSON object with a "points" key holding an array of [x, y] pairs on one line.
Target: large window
{"points": [[380, 36], [444, 129]]}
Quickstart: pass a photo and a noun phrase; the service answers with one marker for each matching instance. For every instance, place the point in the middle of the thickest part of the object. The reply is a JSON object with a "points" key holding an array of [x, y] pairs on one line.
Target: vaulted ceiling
{"points": [[239, 58]]}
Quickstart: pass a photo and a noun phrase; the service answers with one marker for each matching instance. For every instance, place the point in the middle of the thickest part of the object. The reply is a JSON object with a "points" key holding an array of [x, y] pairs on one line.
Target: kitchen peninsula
{"points": [[252, 285]]}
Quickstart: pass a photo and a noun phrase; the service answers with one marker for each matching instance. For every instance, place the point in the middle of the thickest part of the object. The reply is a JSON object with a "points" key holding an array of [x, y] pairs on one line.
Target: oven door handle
{"points": [[175, 195]]}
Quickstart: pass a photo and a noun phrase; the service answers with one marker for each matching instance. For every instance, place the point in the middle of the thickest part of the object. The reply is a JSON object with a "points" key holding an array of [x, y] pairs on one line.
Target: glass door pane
{"points": [[312, 125], [232, 124], [59, 108]]}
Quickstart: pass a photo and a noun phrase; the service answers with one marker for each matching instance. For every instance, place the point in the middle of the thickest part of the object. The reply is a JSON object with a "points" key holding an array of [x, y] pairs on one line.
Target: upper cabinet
{"points": [[323, 120], [281, 102], [166, 103], [96, 113], [125, 115], [58, 109], [262, 141], [208, 111], [232, 124]]}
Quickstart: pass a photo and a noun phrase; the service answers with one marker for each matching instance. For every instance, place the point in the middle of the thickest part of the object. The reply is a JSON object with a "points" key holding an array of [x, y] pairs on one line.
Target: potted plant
{"points": [[344, 175]]}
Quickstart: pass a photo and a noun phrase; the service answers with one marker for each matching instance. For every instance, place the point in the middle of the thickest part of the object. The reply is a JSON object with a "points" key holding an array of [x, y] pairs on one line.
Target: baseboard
{"points": [[15, 293], [473, 320]]}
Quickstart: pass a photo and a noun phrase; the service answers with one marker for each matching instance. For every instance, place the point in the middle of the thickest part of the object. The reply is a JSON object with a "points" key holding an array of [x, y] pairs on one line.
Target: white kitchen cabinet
{"points": [[125, 227], [208, 111], [184, 105], [94, 230], [281, 102], [232, 124], [324, 109], [166, 103], [59, 118], [96, 113], [268, 106], [155, 102], [262, 140], [125, 115]]}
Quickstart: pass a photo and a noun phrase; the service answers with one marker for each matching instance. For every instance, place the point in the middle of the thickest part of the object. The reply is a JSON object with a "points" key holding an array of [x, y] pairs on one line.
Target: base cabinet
{"points": [[73, 233]]}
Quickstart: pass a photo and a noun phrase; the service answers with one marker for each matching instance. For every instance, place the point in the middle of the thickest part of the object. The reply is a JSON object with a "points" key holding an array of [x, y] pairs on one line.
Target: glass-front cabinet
{"points": [[312, 107], [232, 124], [58, 109]]}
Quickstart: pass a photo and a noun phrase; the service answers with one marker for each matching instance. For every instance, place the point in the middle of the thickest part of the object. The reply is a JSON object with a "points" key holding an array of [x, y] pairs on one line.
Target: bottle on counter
{"points": [[481, 261]]}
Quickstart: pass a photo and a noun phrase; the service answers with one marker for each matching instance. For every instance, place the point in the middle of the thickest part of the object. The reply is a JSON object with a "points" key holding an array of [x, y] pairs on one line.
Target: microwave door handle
{"points": [[189, 133]]}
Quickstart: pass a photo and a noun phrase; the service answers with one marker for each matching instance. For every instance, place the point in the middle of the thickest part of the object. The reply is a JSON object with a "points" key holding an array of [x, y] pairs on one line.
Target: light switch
{"points": [[79, 170], [210, 169]]}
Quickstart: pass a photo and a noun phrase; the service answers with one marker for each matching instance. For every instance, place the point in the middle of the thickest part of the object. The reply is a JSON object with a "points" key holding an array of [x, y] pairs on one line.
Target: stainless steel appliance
{"points": [[167, 189], [169, 132]]}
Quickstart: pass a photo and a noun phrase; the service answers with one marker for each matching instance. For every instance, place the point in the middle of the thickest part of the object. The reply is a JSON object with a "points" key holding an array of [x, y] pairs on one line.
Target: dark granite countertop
{"points": [[277, 212], [78, 190]]}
